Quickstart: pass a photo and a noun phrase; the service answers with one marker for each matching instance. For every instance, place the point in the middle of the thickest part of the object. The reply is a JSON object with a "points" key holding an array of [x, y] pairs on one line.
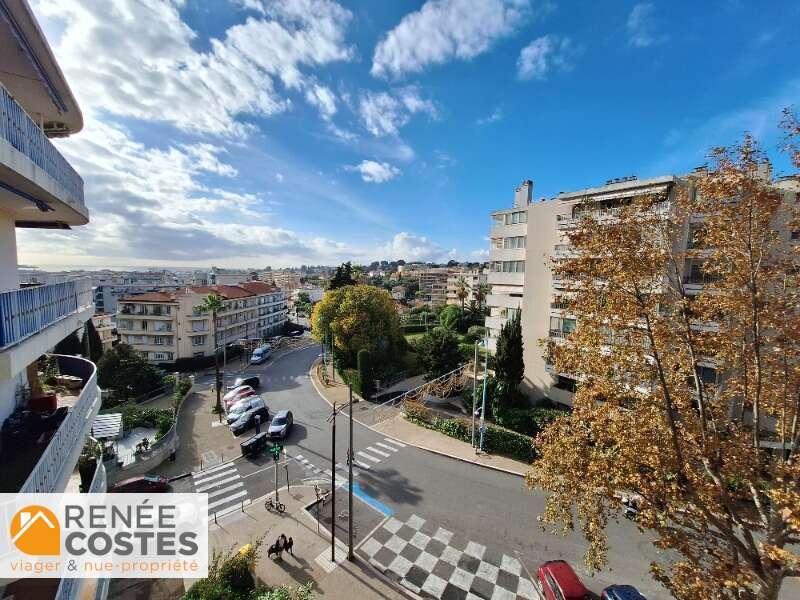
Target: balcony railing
{"points": [[27, 311], [19, 130], [59, 457]]}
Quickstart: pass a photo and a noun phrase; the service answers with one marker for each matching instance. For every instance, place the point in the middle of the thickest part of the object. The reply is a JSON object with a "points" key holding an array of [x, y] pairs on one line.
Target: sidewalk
{"points": [[390, 422], [311, 562]]}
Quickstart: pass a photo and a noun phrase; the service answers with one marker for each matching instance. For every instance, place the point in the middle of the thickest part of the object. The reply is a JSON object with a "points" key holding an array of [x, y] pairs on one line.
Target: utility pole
{"points": [[483, 401], [350, 555], [277, 498], [333, 485], [474, 386]]}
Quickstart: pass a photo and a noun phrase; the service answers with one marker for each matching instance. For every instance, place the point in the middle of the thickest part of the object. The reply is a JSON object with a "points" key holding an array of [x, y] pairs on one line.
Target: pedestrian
{"points": [[280, 545], [289, 546]]}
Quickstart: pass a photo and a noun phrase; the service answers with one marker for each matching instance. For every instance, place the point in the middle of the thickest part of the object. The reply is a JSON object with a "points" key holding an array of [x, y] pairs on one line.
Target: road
{"points": [[488, 513]]}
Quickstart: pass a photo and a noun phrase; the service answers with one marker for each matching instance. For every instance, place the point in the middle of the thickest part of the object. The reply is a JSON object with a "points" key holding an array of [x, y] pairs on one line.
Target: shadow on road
{"points": [[389, 483]]}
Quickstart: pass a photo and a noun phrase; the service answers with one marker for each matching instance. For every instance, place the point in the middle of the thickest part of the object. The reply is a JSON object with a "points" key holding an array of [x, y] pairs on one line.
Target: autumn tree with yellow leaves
{"points": [[687, 352]]}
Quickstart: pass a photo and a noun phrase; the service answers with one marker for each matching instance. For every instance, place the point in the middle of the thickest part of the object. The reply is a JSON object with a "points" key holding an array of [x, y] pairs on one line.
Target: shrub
{"points": [[467, 352], [159, 418], [496, 440], [475, 333], [229, 576], [351, 378], [365, 373]]}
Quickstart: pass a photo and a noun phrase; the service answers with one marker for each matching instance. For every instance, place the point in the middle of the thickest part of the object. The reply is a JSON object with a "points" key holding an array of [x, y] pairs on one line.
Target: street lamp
{"points": [[483, 400]]}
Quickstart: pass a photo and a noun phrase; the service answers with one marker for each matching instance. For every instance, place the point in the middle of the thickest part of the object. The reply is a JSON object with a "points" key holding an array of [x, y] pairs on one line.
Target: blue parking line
{"points": [[374, 503]]}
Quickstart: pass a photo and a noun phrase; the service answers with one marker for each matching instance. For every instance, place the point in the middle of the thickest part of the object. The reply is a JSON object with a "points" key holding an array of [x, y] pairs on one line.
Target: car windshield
{"points": [[279, 421]]}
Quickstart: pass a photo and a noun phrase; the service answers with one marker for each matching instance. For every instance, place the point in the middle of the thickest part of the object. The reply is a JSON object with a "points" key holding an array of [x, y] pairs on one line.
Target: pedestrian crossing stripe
{"points": [[205, 486], [387, 447], [368, 457], [226, 500], [223, 484], [213, 476], [395, 442], [361, 464], [378, 452]]}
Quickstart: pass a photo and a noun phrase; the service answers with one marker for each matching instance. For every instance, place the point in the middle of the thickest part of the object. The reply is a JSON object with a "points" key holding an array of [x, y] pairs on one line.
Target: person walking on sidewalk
{"points": [[289, 545]]}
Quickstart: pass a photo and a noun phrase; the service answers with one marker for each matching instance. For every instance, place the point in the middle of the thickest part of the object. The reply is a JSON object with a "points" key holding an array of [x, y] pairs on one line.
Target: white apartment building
{"points": [[545, 312], [105, 326], [473, 280], [40, 189], [507, 256], [219, 276], [167, 326]]}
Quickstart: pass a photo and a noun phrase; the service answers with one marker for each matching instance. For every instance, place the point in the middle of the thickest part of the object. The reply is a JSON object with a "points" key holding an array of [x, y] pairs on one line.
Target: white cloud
{"points": [[411, 247], [136, 59], [641, 26], [279, 177], [384, 113], [493, 117], [443, 30], [323, 99], [375, 172], [480, 254], [545, 54]]}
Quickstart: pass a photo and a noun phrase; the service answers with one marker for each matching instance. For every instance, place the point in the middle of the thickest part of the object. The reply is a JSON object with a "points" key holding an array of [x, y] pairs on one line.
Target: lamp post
{"points": [[483, 401]]}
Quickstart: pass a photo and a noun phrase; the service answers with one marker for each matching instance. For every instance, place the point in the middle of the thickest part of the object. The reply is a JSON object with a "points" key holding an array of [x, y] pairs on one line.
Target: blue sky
{"points": [[250, 132]]}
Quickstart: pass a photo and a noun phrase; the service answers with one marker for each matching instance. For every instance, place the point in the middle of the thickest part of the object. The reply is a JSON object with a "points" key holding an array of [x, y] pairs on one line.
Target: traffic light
{"points": [[276, 451]]}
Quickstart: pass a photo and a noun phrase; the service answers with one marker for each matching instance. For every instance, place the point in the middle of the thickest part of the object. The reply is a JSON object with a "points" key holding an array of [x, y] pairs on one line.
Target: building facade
{"points": [[167, 326], [433, 285], [40, 189], [545, 306], [507, 258], [106, 329]]}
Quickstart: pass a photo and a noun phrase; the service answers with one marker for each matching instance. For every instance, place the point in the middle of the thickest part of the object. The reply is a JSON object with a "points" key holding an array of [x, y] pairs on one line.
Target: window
{"points": [[796, 235], [509, 266], [199, 354], [513, 218], [198, 340], [708, 375], [199, 325], [514, 242], [566, 383]]}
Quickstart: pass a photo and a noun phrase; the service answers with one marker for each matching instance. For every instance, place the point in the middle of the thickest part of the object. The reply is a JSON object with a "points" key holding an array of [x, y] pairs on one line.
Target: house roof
{"points": [[227, 292]]}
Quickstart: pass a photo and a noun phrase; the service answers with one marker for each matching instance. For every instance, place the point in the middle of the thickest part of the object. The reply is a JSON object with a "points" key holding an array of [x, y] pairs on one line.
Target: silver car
{"points": [[242, 406], [281, 424]]}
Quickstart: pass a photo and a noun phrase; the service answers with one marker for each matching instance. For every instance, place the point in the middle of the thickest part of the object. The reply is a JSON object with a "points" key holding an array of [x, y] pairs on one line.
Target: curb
{"points": [[425, 448]]}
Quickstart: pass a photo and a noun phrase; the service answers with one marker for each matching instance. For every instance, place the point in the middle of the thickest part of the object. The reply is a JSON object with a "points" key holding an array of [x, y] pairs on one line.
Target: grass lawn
{"points": [[413, 337]]}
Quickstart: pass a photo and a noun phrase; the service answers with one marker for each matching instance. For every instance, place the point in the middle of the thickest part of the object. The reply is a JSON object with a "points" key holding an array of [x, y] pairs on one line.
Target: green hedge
{"points": [[158, 418], [529, 421], [351, 378], [496, 440]]}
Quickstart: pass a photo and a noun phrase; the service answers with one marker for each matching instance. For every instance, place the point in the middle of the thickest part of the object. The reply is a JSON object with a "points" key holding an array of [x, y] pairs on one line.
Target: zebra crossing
{"points": [[224, 487], [365, 459]]}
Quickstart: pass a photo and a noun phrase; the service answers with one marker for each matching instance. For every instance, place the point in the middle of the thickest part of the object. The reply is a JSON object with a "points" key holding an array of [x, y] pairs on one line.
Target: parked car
{"points": [[281, 424], [246, 392], [557, 581], [248, 419], [260, 355], [234, 391], [141, 485], [621, 592], [235, 411], [254, 381]]}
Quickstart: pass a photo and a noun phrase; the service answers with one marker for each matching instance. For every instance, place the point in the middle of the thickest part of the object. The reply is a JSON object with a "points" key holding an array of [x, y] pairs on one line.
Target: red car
{"points": [[141, 485], [557, 581]]}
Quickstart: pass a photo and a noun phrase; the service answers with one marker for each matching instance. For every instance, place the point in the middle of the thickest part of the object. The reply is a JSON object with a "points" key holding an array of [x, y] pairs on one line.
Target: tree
{"points": [[356, 317], [365, 373], [509, 366], [69, 346], [438, 352], [213, 304], [462, 290], [303, 304], [92, 340], [451, 317], [342, 277], [126, 373], [480, 292], [651, 415]]}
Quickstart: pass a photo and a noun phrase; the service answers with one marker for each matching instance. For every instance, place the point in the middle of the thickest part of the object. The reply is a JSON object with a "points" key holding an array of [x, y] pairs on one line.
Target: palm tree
{"points": [[213, 304], [462, 290], [480, 292], [359, 273]]}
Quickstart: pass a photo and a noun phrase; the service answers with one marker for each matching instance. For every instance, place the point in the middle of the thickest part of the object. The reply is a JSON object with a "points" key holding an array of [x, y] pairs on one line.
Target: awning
{"points": [[107, 427]]}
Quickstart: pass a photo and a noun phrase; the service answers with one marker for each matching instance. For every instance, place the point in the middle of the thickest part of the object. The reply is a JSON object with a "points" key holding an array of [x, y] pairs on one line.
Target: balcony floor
{"points": [[19, 462]]}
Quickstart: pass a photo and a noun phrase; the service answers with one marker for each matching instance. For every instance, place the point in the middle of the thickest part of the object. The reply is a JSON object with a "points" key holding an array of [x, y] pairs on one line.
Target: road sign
{"points": [[276, 450]]}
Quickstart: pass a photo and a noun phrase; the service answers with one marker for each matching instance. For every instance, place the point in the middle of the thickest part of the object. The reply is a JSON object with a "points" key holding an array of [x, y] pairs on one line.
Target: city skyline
{"points": [[247, 133]]}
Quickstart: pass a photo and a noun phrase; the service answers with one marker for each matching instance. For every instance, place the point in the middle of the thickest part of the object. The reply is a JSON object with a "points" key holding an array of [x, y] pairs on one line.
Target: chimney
{"points": [[523, 194]]}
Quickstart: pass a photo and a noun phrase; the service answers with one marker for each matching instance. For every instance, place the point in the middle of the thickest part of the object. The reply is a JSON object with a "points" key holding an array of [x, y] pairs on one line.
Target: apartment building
{"points": [[167, 326], [219, 276], [284, 279], [40, 189], [545, 311], [433, 285], [106, 329], [473, 280], [507, 257]]}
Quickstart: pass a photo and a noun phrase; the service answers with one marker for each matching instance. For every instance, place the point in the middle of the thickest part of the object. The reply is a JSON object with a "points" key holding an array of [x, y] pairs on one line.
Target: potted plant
{"points": [[43, 384], [87, 463]]}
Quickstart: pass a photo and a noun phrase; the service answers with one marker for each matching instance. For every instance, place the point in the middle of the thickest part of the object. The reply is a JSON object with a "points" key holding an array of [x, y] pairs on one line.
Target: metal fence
{"points": [[19, 130], [27, 311]]}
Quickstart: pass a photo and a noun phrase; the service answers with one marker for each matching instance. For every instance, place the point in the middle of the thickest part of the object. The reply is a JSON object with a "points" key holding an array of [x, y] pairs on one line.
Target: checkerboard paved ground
{"points": [[436, 563]]}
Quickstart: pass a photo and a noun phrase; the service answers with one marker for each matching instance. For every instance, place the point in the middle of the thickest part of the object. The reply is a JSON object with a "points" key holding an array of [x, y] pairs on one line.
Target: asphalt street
{"points": [[481, 505]]}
